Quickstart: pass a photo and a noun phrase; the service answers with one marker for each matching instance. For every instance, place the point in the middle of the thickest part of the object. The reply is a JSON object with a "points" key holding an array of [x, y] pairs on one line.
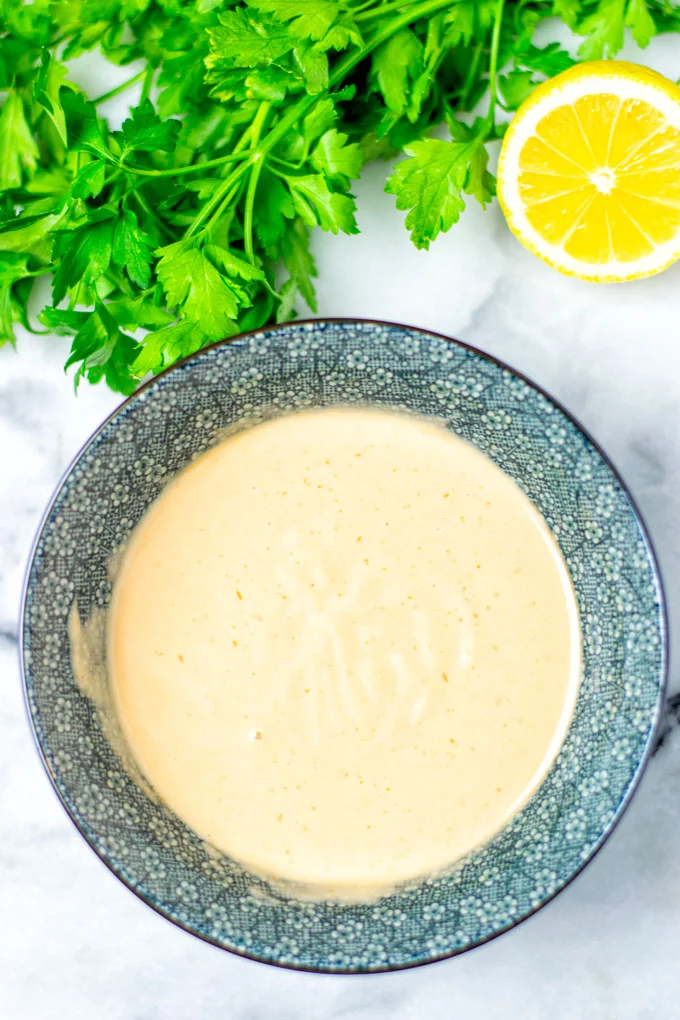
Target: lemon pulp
{"points": [[589, 176]]}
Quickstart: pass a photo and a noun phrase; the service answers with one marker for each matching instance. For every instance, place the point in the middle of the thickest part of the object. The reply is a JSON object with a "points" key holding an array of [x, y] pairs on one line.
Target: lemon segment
{"points": [[589, 172]]}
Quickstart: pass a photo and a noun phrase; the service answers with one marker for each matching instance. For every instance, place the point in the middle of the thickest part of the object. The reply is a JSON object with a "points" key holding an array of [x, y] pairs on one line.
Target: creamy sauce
{"points": [[345, 649]]}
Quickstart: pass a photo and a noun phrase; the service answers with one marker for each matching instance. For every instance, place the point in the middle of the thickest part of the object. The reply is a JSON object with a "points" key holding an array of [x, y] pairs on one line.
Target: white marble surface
{"points": [[75, 944]]}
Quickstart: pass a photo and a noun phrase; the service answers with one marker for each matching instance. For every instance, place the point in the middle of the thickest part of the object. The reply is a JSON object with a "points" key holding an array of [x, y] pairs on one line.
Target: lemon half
{"points": [[589, 172]]}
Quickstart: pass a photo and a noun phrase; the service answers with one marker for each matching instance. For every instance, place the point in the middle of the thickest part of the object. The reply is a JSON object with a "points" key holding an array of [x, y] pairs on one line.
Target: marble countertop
{"points": [[74, 943]]}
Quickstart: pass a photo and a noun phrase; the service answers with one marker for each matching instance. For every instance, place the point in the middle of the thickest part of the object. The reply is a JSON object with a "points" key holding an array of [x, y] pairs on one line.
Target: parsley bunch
{"points": [[192, 223]]}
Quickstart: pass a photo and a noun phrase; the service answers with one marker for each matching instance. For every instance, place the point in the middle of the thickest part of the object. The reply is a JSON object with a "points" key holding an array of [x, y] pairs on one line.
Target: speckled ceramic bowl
{"points": [[177, 416]]}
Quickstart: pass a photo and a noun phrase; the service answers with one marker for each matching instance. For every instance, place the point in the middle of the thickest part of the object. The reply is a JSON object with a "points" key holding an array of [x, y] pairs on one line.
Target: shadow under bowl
{"points": [[182, 413]]}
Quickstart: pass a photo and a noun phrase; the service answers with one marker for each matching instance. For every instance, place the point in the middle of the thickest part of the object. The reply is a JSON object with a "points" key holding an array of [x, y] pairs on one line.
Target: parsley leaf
{"points": [[434, 53], [548, 60], [138, 312], [314, 66], [12, 269], [89, 181], [18, 151], [167, 345], [604, 29], [233, 266], [396, 65], [461, 20], [240, 41], [317, 204], [273, 210], [104, 352], [63, 321], [51, 77], [82, 124], [568, 10], [81, 256], [194, 220], [191, 281], [298, 260], [35, 238], [640, 22], [333, 156], [132, 248], [309, 19], [432, 182], [146, 132], [515, 87], [323, 115]]}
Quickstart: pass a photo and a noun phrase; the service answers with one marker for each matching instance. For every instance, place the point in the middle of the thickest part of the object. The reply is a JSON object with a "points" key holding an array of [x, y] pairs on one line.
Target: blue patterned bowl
{"points": [[182, 413]]}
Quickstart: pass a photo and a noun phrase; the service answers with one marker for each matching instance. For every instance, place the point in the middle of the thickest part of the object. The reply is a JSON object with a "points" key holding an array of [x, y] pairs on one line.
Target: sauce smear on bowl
{"points": [[345, 649]]}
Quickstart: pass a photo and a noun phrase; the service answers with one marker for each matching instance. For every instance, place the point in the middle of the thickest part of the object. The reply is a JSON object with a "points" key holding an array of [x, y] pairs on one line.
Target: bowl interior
{"points": [[181, 414]]}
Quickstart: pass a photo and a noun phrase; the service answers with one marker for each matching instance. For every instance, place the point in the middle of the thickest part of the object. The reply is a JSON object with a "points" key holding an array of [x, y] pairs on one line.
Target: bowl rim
{"points": [[643, 762]]}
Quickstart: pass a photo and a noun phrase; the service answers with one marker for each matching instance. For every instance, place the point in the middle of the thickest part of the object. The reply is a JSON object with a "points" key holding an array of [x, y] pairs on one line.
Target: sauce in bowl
{"points": [[344, 648]]}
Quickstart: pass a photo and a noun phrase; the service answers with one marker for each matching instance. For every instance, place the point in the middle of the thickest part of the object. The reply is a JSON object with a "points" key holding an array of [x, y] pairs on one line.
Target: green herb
{"points": [[193, 221]]}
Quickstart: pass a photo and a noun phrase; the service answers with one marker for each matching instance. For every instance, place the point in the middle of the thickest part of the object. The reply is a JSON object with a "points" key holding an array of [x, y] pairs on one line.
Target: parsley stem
{"points": [[255, 129], [493, 61], [255, 172], [232, 196], [274, 293], [38, 272], [288, 164], [362, 7], [148, 82], [377, 12], [224, 188], [177, 171], [120, 88], [253, 132]]}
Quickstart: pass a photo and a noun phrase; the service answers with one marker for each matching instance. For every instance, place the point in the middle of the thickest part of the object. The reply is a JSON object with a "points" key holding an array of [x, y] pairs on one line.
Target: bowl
{"points": [[180, 414]]}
